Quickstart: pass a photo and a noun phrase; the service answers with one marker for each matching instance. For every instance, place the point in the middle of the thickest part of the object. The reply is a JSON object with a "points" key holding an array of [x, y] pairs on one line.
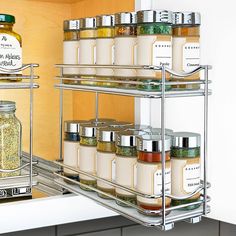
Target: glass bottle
{"points": [[154, 46], [10, 47], [125, 46], [105, 48], [186, 167], [149, 171], [10, 139], [186, 47]]}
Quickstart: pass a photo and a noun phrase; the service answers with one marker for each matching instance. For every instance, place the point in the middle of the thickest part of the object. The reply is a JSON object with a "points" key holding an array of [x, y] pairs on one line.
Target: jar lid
{"points": [[127, 138], [123, 18], [107, 134], [152, 143], [105, 20], [7, 18], [102, 120], [186, 18], [120, 124], [139, 127], [90, 130], [186, 140], [7, 106], [158, 16], [157, 131], [72, 126], [88, 23], [71, 25]]}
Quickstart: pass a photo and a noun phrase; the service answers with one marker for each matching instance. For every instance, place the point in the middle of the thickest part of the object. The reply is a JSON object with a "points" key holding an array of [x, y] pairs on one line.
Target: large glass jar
{"points": [[125, 46], [149, 171], [186, 47], [154, 46], [11, 44], [186, 168], [10, 139], [71, 48], [87, 49], [106, 162], [105, 48], [88, 152]]}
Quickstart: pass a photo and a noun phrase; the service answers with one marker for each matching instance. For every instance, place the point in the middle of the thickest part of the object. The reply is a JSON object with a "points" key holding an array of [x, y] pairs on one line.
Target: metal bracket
{"points": [[167, 226], [194, 220]]}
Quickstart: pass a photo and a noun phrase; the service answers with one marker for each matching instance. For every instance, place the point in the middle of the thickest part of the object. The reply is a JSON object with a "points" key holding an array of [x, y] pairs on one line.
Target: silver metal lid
{"points": [[158, 16], [139, 127], [90, 130], [71, 25], [105, 21], [123, 18], [152, 143], [186, 18], [72, 126], [102, 120], [157, 131], [7, 106], [120, 124], [127, 138], [186, 140], [88, 23], [107, 134]]}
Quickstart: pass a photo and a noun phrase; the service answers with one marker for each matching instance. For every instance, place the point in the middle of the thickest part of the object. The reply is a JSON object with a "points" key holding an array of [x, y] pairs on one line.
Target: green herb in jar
{"points": [[88, 141], [106, 146], [126, 151], [148, 85], [154, 28]]}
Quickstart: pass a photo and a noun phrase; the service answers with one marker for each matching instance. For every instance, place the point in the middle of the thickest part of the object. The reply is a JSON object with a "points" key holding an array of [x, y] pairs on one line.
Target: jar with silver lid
{"points": [[149, 171], [154, 46], [71, 48], [186, 47], [106, 165], [71, 146], [87, 55], [126, 164], [125, 46], [105, 48], [10, 139], [186, 168], [88, 152]]}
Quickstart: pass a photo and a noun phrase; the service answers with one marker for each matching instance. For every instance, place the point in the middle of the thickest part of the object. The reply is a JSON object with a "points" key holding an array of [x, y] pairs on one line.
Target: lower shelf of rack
{"points": [[192, 216]]}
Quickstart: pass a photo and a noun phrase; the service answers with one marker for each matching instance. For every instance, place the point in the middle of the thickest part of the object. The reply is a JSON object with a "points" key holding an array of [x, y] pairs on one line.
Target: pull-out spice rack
{"points": [[164, 221], [20, 186]]}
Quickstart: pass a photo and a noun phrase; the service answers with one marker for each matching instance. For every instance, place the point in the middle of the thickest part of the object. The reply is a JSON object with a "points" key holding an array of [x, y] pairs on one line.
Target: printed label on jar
{"points": [[10, 52], [191, 177], [158, 181], [74, 24], [191, 56], [113, 170], [162, 53]]}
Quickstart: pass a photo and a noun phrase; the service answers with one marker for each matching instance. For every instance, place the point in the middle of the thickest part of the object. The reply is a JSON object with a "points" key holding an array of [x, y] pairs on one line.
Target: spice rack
{"points": [[164, 222], [20, 186]]}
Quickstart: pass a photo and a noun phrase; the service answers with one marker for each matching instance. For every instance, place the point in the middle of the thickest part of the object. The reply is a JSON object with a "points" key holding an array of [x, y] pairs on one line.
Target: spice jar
{"points": [[186, 170], [149, 171], [87, 49], [10, 139], [71, 146], [125, 46], [126, 164], [105, 48], [88, 153], [186, 47], [10, 47], [154, 46], [106, 165]]}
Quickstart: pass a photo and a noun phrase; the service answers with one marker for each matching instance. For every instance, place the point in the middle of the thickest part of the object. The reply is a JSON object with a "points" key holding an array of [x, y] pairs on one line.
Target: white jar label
{"points": [[113, 170], [74, 24], [162, 53], [94, 55], [158, 181], [191, 177], [135, 175], [10, 52], [113, 54], [191, 56]]}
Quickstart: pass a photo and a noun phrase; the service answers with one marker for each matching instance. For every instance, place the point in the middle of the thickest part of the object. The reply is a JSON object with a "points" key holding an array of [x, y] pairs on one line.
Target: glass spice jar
{"points": [[125, 47], [10, 47], [186, 169], [10, 139], [87, 49], [154, 46], [105, 48], [186, 47], [71, 49], [88, 152], [106, 165], [149, 171]]}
